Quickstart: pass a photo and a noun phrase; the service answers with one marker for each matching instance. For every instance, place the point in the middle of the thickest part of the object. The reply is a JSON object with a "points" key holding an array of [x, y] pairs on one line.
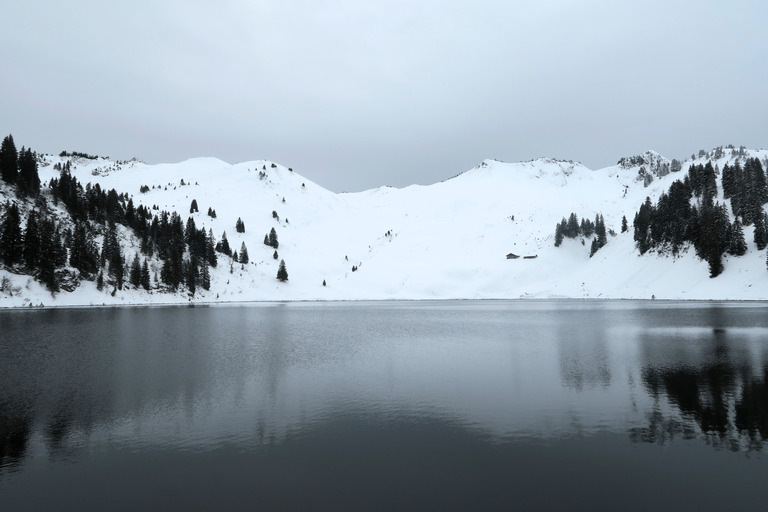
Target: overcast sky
{"points": [[360, 93]]}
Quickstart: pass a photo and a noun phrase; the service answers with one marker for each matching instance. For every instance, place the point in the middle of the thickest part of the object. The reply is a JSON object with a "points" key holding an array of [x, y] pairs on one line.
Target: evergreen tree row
{"points": [[571, 228], [185, 252], [677, 219], [41, 247], [19, 168], [746, 188]]}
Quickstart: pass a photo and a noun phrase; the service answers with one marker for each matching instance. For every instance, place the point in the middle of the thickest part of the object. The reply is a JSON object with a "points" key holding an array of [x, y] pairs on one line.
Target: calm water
{"points": [[448, 405]]}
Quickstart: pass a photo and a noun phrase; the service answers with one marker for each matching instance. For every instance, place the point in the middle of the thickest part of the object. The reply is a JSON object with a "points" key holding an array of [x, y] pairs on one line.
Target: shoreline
{"points": [[375, 300]]}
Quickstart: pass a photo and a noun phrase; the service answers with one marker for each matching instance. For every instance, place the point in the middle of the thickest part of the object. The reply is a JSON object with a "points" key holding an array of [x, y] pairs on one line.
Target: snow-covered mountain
{"points": [[443, 241]]}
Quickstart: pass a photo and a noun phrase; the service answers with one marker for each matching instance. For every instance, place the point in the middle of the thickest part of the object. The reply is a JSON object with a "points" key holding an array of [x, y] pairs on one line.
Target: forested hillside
{"points": [[82, 229]]}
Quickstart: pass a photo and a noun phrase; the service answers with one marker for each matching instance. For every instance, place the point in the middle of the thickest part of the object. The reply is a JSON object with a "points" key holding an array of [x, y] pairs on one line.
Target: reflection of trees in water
{"points": [[63, 375], [14, 436], [720, 400], [752, 409]]}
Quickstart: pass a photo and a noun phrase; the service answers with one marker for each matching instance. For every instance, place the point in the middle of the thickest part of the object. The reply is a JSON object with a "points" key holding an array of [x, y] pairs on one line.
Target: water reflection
{"points": [[712, 386], [14, 436], [197, 379], [583, 349]]}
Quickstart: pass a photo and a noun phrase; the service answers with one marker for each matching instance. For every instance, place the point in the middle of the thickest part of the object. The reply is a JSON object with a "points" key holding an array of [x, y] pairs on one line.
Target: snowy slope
{"points": [[447, 240]]}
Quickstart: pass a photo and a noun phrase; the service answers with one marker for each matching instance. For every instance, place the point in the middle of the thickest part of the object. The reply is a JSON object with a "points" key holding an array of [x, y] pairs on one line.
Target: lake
{"points": [[455, 405]]}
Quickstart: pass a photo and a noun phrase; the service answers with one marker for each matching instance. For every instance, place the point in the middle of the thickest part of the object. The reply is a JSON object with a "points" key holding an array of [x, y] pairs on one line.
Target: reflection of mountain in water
{"points": [[584, 360], [65, 375], [722, 398]]}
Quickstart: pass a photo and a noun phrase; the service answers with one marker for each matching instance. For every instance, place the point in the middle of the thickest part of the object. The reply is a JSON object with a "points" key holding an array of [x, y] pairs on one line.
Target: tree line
{"points": [[689, 213], [45, 243], [572, 228]]}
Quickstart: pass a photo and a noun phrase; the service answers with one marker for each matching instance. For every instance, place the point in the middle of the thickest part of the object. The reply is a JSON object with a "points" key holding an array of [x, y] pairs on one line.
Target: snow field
{"points": [[444, 241]]}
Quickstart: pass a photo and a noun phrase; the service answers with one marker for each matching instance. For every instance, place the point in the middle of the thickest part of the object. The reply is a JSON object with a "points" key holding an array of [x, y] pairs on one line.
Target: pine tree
{"points": [[117, 269], [50, 249], [282, 273], [135, 274], [273, 239], [728, 182], [83, 254], [190, 232], [594, 247], [173, 272], [27, 180], [112, 253], [223, 245], [759, 182], [274, 255], [624, 225], [210, 251], [11, 242], [205, 276], [9, 163], [240, 226], [600, 231], [145, 275], [760, 234], [193, 207], [715, 261], [32, 242], [642, 224], [191, 274], [243, 253], [709, 181], [737, 246], [167, 275], [695, 179], [737, 191], [712, 234], [572, 227], [559, 233]]}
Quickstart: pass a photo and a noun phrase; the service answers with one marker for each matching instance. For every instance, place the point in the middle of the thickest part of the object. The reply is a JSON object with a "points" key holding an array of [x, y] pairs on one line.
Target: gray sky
{"points": [[360, 93]]}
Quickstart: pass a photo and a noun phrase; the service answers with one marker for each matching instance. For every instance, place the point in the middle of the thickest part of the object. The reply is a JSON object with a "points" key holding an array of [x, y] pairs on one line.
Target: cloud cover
{"points": [[385, 92]]}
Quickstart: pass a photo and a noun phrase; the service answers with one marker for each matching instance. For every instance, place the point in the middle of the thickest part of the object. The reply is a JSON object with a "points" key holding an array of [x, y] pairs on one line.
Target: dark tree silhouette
{"points": [[11, 241], [145, 275], [9, 164], [135, 275], [737, 246], [282, 273], [223, 245], [559, 233]]}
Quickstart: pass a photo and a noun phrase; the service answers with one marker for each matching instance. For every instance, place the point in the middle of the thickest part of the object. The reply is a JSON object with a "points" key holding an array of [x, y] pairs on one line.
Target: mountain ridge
{"points": [[448, 240]]}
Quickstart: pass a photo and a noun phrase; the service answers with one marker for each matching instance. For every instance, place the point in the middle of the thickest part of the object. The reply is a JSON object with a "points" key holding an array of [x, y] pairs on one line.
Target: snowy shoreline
{"points": [[518, 300]]}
